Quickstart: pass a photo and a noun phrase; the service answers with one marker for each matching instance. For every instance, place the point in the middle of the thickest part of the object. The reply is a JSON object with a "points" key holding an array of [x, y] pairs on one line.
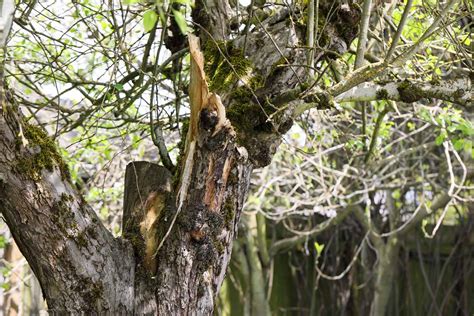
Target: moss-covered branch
{"points": [[456, 91]]}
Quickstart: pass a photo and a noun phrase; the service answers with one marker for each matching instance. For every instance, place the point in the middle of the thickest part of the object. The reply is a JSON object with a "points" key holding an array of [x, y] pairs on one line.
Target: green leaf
{"points": [[118, 86], [466, 128], [149, 20], [468, 145], [3, 242], [458, 144], [396, 194], [424, 223], [319, 248], [452, 128], [181, 21], [5, 271], [5, 286], [440, 139]]}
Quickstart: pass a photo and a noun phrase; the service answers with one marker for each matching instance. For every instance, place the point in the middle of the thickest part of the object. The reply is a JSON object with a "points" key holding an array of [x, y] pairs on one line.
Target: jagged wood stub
{"points": [[147, 187]]}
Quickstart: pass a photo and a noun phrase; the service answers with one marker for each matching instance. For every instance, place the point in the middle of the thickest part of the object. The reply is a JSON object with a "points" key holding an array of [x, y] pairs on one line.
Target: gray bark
{"points": [[73, 255]]}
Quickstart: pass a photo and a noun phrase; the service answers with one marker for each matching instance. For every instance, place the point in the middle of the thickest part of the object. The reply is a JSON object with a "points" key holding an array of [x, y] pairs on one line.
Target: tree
{"points": [[258, 73]]}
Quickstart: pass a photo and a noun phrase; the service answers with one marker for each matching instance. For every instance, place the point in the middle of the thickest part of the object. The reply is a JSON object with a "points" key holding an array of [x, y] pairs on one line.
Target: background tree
{"points": [[121, 71]]}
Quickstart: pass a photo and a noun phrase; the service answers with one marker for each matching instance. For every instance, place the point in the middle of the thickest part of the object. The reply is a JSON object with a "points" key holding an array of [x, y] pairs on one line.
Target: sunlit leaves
{"points": [[319, 248], [3, 241], [440, 138], [452, 126], [5, 272], [118, 87], [149, 20], [181, 21], [158, 12], [396, 194]]}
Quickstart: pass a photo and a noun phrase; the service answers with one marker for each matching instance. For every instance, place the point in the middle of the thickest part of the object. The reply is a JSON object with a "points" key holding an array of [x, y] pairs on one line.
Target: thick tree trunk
{"points": [[79, 264]]}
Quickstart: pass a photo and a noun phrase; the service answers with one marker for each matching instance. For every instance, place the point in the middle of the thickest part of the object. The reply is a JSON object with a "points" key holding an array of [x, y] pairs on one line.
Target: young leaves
{"points": [[149, 20], [181, 21]]}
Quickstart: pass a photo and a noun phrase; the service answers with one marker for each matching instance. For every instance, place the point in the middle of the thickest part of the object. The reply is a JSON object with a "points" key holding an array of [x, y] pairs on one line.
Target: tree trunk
{"points": [[79, 264], [84, 268]]}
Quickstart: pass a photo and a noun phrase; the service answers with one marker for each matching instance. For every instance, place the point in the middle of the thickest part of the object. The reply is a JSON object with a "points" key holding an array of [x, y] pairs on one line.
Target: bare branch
{"points": [[290, 243]]}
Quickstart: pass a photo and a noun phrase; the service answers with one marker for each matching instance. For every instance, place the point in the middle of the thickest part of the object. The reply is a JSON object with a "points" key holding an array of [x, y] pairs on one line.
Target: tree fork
{"points": [[186, 242]]}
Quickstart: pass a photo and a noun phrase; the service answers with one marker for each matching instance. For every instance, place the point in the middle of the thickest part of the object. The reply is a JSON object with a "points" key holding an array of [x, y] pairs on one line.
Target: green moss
{"points": [[45, 154], [215, 222], [249, 117], [242, 94], [459, 93], [97, 290], [91, 291], [243, 115], [133, 234], [249, 114], [409, 93], [233, 177], [63, 216], [67, 197], [81, 239], [277, 66], [219, 246], [181, 148], [224, 65], [229, 213], [435, 80], [206, 254], [326, 100], [381, 94], [247, 92], [91, 232]]}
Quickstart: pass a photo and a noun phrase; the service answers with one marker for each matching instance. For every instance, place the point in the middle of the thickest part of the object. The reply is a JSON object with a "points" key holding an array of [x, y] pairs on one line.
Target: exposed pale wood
{"points": [[147, 186]]}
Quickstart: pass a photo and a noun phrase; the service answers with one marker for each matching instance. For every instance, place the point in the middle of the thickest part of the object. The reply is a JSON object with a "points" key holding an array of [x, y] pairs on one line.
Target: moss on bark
{"points": [[409, 93], [45, 154]]}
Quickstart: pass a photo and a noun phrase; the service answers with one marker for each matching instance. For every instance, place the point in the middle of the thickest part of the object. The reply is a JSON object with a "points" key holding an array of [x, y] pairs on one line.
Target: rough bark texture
{"points": [[177, 236], [74, 257], [194, 258]]}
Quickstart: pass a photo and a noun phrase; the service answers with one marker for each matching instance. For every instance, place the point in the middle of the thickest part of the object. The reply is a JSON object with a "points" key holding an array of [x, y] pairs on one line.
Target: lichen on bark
{"points": [[224, 65], [409, 92]]}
